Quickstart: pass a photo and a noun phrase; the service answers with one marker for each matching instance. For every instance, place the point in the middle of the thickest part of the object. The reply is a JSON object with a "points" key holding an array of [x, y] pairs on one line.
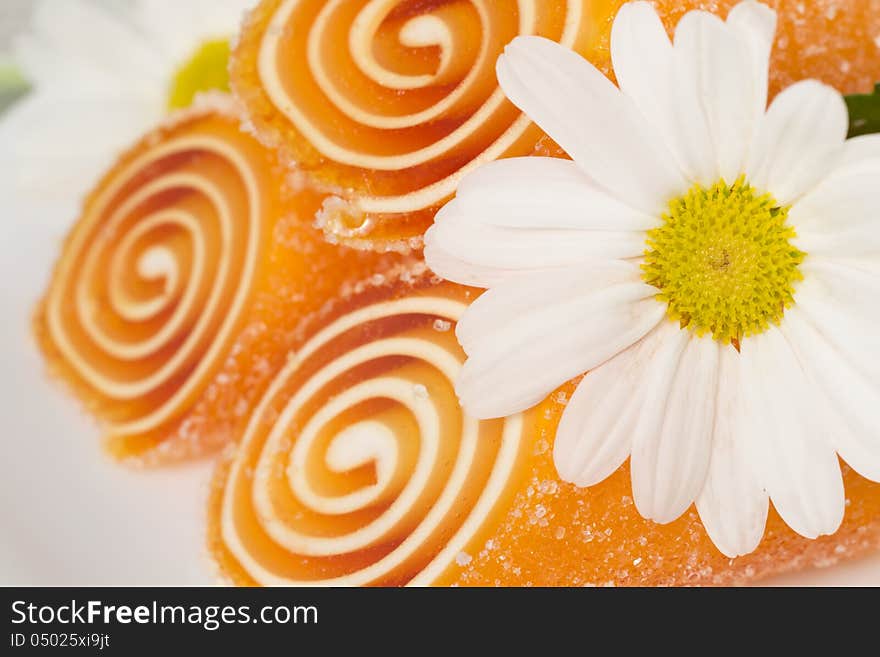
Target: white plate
{"points": [[70, 516]]}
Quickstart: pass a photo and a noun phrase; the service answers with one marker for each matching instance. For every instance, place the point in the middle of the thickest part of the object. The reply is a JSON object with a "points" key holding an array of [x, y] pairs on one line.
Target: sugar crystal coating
{"points": [[595, 536]]}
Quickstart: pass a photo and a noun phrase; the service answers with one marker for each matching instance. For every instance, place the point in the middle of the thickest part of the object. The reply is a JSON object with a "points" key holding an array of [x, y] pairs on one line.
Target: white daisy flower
{"points": [[713, 263], [101, 78]]}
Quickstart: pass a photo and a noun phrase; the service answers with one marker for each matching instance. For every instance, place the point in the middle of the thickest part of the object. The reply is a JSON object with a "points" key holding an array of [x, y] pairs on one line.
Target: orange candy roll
{"points": [[358, 467], [390, 102], [188, 237]]}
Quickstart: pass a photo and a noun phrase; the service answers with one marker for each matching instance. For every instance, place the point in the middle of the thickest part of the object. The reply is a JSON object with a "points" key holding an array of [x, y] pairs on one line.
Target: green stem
{"points": [[864, 113]]}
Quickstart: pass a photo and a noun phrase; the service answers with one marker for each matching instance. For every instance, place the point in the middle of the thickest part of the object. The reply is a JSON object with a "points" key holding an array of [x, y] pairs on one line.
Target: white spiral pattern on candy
{"points": [[166, 342], [401, 517], [459, 71]]}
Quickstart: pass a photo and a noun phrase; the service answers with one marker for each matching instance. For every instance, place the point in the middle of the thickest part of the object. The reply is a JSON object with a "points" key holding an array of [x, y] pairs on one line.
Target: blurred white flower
{"points": [[12, 84], [101, 77]]}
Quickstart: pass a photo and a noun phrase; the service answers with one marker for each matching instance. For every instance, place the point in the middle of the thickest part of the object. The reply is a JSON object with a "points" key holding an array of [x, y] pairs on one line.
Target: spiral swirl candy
{"points": [[160, 273], [358, 466], [393, 101]]}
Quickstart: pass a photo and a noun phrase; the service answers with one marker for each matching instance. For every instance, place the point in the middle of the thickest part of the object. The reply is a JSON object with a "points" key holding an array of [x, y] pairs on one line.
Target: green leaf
{"points": [[12, 84], [864, 113]]}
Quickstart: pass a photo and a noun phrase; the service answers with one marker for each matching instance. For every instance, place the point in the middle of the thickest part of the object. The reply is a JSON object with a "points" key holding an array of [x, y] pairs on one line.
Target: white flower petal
{"points": [[842, 300], [529, 214], [853, 397], [788, 440], [595, 433], [799, 140], [756, 24], [705, 95], [670, 459], [174, 25], [505, 303], [462, 249], [113, 47], [61, 155], [861, 149], [841, 217], [49, 69], [642, 57], [714, 81], [544, 192], [599, 127], [527, 336], [733, 505]]}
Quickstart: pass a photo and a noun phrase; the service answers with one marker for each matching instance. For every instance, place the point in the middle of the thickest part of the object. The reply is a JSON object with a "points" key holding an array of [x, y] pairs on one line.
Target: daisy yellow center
{"points": [[206, 70], [723, 261]]}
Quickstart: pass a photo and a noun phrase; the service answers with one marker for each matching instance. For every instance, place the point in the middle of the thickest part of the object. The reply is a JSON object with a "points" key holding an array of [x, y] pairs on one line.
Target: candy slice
{"points": [[358, 467], [392, 101], [176, 248]]}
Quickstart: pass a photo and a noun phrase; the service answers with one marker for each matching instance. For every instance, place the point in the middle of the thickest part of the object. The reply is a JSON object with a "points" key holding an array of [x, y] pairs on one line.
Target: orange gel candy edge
{"points": [[490, 512], [195, 235], [358, 466], [378, 114], [391, 126], [556, 534]]}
